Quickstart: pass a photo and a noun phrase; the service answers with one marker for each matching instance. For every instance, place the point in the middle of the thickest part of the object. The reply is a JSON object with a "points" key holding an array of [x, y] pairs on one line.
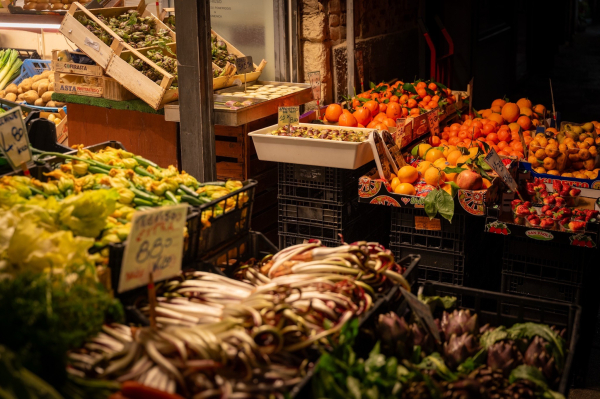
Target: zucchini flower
{"points": [[129, 163], [123, 211], [65, 184], [126, 196], [18, 184], [47, 188], [67, 168], [57, 174], [109, 238], [143, 181], [172, 184], [219, 193], [80, 168], [158, 188], [126, 174], [84, 183], [233, 185], [210, 190]]}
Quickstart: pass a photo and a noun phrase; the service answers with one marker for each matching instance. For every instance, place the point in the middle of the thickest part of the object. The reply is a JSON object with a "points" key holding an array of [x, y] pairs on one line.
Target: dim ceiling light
{"points": [[28, 25]]}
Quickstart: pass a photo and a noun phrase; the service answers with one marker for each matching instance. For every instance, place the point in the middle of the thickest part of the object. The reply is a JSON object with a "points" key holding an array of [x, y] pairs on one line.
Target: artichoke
{"points": [[522, 389], [395, 334], [422, 338], [460, 348], [458, 322], [504, 356], [538, 356], [463, 389], [416, 390], [492, 380]]}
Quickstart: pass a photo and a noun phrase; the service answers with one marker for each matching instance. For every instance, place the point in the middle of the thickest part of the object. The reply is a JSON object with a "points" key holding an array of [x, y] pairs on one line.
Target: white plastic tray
{"points": [[304, 151]]}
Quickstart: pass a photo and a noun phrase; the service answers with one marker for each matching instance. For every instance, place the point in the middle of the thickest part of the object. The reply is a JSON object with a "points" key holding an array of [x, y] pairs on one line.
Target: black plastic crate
{"points": [[287, 240], [337, 216], [435, 265], [537, 288], [228, 226], [319, 182], [546, 261], [450, 237]]}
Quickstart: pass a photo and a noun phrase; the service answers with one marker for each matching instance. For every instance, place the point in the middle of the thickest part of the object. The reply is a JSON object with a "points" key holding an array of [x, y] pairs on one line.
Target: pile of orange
{"points": [[379, 107]]}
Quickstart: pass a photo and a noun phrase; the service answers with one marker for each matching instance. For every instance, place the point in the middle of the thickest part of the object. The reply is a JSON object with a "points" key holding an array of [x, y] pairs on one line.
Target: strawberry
{"points": [[576, 226], [560, 201], [589, 244], [547, 223], [522, 210], [556, 185], [534, 221], [515, 202], [574, 192], [549, 200]]}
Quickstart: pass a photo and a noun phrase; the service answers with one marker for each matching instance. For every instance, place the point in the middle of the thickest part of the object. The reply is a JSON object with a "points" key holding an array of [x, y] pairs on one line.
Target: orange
{"points": [[540, 110], [372, 124], [380, 117], [382, 107], [485, 113], [333, 112], [433, 155], [524, 122], [441, 163], [434, 176], [381, 126], [408, 174], [514, 127], [447, 188], [372, 106], [510, 112], [451, 177], [498, 102], [390, 122], [463, 159], [453, 157], [524, 103], [496, 118], [406, 189], [496, 109], [395, 182], [526, 111], [362, 115], [423, 166], [486, 183], [348, 120], [393, 110]]}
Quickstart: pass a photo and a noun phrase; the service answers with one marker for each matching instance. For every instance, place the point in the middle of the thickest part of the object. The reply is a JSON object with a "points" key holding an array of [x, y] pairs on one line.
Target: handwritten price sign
{"points": [[288, 116], [433, 117], [14, 141], [244, 64], [155, 244], [315, 84], [496, 164]]}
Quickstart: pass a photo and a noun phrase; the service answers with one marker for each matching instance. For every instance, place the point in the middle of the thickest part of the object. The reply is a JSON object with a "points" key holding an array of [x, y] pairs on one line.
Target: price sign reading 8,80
{"points": [[14, 142], [155, 244]]}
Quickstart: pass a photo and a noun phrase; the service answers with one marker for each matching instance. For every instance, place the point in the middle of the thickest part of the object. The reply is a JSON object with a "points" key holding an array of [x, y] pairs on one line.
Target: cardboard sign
{"points": [[433, 117], [422, 312], [315, 84], [424, 223], [496, 164], [288, 116], [155, 244], [403, 134], [13, 138], [244, 64], [393, 151]]}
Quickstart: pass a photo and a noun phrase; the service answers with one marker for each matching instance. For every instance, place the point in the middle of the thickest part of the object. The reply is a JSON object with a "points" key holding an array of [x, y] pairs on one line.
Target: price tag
{"points": [[244, 64], [14, 139], [423, 223], [288, 116], [315, 84], [155, 244], [496, 164], [422, 312], [433, 117]]}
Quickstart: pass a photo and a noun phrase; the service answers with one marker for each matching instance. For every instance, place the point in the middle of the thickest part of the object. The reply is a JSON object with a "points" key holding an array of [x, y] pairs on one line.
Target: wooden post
{"points": [[350, 45], [197, 131]]}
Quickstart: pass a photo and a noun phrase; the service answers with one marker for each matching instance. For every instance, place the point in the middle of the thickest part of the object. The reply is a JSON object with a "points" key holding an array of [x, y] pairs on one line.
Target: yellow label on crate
{"points": [[424, 223]]}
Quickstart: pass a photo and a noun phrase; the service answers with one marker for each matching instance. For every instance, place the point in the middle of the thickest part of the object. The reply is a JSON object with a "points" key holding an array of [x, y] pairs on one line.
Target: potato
{"points": [[43, 75], [51, 86], [51, 78], [38, 83], [12, 88], [2, 93], [20, 90], [51, 117], [20, 97], [47, 96], [46, 74], [42, 88], [25, 85], [11, 97], [39, 102], [57, 121], [51, 104], [59, 104], [30, 96]]}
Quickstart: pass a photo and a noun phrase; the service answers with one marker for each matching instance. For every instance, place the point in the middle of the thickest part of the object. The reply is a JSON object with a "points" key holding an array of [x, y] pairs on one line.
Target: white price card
{"points": [[244, 64], [13, 138], [155, 244], [423, 312], [288, 116], [496, 164], [315, 84]]}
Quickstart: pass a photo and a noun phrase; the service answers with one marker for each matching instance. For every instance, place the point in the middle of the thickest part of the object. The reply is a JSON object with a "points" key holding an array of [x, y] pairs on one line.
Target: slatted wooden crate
{"points": [[91, 86]]}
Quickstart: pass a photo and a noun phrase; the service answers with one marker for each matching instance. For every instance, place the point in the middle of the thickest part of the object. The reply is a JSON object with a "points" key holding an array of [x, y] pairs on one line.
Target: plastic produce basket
{"points": [[25, 53], [532, 286], [440, 266], [217, 231], [31, 68], [320, 182]]}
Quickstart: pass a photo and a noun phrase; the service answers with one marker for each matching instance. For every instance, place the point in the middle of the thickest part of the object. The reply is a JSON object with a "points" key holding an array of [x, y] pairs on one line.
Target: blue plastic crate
{"points": [[31, 68]]}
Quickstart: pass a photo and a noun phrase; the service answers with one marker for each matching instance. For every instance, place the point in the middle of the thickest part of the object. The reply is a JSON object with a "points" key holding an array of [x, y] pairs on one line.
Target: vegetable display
{"points": [[10, 66], [333, 134], [220, 54], [166, 62], [135, 30], [523, 361], [36, 90], [252, 335]]}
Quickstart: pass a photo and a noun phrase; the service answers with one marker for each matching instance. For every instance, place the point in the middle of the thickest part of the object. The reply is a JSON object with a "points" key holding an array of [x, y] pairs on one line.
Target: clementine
{"points": [[498, 102], [362, 115], [372, 106], [393, 110], [408, 174], [524, 103], [333, 112], [510, 112], [524, 122], [347, 119]]}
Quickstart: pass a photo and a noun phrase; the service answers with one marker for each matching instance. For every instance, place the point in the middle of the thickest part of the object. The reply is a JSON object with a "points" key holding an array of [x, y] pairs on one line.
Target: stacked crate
{"points": [[441, 244], [318, 202]]}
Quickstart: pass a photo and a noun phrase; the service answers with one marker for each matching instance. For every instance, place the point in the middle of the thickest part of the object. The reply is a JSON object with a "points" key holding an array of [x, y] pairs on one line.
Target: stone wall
{"points": [[385, 30]]}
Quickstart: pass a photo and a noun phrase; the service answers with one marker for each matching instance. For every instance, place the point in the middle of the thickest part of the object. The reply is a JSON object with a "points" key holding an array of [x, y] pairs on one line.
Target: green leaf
{"points": [[456, 169], [429, 91], [445, 205], [486, 146], [472, 362], [489, 338], [477, 115], [353, 387], [409, 87], [455, 188], [372, 393], [444, 302], [530, 330], [372, 85], [430, 204], [391, 367], [440, 85], [530, 373], [386, 101], [463, 150]]}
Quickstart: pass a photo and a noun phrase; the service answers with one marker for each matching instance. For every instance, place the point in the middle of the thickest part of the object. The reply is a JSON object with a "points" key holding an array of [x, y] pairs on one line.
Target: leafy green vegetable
{"points": [[436, 363], [439, 201], [445, 302], [489, 338], [530, 330], [531, 373]]}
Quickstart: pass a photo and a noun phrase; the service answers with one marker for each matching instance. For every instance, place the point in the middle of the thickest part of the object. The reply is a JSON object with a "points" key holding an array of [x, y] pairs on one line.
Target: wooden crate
{"points": [[74, 68], [91, 86]]}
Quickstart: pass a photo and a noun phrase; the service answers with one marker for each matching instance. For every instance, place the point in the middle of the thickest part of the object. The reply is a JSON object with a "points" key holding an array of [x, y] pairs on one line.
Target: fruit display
{"points": [[166, 60], [54, 5], [553, 215], [379, 107], [251, 335], [10, 67], [569, 153], [263, 92], [355, 136], [220, 55], [170, 22], [36, 90], [135, 30], [525, 360]]}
